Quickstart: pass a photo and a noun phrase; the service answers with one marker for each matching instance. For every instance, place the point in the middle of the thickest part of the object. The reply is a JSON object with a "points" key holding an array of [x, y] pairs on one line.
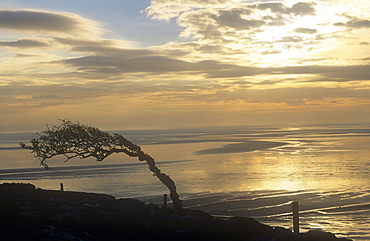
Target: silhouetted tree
{"points": [[75, 140]]}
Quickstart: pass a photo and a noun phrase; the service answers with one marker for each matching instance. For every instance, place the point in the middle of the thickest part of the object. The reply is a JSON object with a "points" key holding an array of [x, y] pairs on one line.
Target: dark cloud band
{"points": [[41, 21]]}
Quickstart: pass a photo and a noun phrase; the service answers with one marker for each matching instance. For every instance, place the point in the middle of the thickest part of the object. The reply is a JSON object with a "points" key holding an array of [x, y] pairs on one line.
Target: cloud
{"points": [[244, 28], [225, 34], [275, 7], [234, 19], [82, 43], [103, 47], [241, 57], [26, 55], [359, 24], [167, 9], [305, 30], [302, 9], [354, 23], [219, 25], [287, 39], [293, 96], [30, 96], [332, 73], [24, 43], [46, 22], [113, 62]]}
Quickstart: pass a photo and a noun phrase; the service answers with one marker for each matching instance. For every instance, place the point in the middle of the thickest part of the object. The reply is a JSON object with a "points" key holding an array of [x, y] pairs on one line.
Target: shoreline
{"points": [[46, 214]]}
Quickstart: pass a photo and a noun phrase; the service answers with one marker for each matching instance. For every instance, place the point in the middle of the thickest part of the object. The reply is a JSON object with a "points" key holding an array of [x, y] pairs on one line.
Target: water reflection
{"points": [[325, 168]]}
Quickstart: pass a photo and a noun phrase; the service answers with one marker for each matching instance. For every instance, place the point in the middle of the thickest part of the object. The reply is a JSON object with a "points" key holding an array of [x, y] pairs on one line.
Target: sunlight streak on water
{"points": [[326, 169]]}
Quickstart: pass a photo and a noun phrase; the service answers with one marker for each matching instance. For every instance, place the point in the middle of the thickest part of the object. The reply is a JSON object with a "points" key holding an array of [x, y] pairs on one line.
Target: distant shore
{"points": [[30, 213]]}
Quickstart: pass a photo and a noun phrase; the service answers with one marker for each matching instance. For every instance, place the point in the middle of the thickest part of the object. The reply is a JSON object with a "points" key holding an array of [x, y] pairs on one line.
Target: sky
{"points": [[123, 64]]}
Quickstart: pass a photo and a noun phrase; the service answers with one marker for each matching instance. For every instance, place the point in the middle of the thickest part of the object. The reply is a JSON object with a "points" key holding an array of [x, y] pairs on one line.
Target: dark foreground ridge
{"points": [[29, 213]]}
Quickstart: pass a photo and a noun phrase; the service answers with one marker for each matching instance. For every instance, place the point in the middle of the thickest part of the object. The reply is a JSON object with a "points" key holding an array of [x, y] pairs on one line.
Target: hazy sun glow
{"points": [[205, 63]]}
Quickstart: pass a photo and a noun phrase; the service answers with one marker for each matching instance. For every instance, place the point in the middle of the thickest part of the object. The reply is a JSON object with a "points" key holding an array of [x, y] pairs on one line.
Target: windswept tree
{"points": [[75, 140]]}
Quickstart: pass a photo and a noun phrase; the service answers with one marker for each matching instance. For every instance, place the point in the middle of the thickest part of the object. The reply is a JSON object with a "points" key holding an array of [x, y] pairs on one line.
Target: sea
{"points": [[249, 171]]}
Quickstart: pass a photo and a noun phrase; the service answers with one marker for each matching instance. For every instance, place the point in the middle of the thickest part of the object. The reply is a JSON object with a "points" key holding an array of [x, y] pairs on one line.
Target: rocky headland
{"points": [[30, 213]]}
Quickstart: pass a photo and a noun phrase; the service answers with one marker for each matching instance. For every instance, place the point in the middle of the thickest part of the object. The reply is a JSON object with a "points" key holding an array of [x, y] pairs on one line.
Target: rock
{"points": [[311, 235], [320, 235], [280, 231], [28, 213]]}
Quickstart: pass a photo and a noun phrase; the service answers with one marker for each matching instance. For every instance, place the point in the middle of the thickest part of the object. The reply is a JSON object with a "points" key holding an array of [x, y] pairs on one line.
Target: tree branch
{"points": [[75, 140]]}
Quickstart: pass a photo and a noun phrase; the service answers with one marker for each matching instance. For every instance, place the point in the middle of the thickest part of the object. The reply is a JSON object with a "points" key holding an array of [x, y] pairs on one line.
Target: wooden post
{"points": [[165, 200], [295, 207], [61, 187]]}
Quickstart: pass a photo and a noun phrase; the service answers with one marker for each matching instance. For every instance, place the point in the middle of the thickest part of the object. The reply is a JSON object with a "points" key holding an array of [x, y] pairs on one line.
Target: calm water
{"points": [[245, 171]]}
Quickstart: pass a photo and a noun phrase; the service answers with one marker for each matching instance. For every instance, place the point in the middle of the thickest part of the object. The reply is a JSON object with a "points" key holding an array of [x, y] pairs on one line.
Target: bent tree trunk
{"points": [[75, 140], [165, 179]]}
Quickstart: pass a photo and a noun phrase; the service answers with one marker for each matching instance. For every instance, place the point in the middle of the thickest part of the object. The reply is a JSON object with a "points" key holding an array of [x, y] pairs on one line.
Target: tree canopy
{"points": [[76, 140]]}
